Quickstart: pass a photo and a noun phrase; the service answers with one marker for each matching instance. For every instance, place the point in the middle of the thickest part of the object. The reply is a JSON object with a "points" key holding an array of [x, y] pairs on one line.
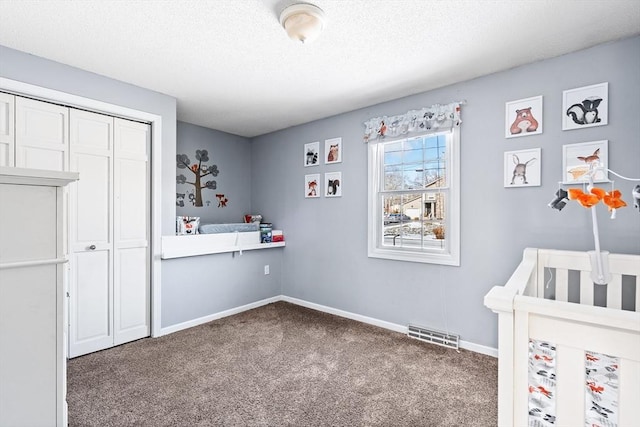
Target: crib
{"points": [[569, 350]]}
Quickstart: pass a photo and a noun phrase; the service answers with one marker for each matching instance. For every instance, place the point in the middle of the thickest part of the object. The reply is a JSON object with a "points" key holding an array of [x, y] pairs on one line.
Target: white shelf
{"points": [[207, 244]]}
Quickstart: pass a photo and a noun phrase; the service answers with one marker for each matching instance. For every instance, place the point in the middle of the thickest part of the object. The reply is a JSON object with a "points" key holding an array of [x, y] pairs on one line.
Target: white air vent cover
{"points": [[435, 337]]}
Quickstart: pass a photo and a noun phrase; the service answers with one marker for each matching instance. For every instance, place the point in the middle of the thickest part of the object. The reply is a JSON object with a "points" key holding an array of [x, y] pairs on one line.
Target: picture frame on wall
{"points": [[311, 154], [522, 168], [523, 117], [333, 184], [333, 150], [585, 107], [579, 159], [312, 185]]}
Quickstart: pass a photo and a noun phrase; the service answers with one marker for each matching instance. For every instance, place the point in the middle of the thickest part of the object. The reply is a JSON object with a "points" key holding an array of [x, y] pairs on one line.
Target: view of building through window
{"points": [[413, 193]]}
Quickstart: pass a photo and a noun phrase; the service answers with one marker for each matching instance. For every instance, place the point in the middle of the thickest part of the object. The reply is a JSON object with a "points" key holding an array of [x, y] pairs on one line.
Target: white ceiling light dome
{"points": [[303, 22]]}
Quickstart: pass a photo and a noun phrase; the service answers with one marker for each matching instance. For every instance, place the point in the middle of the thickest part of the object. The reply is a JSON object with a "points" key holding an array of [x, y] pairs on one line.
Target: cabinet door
{"points": [[91, 233], [7, 136], [131, 231], [42, 135]]}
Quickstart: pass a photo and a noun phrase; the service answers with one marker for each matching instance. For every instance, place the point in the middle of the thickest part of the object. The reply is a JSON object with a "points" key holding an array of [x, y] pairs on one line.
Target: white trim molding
{"points": [[205, 319], [477, 348]]}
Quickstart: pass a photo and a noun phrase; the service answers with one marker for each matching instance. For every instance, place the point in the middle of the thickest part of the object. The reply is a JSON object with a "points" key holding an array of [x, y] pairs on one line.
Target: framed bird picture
{"points": [[585, 107], [580, 160]]}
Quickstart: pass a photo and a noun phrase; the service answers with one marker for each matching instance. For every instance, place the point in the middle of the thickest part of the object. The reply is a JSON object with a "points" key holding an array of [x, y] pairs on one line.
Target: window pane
{"points": [[413, 176], [414, 221], [392, 178]]}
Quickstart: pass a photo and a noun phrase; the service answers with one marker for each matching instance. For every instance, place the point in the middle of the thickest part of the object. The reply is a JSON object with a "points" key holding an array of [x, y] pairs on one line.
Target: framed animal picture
{"points": [[333, 184], [312, 185], [333, 150], [585, 107], [522, 168], [312, 154], [523, 117], [580, 160]]}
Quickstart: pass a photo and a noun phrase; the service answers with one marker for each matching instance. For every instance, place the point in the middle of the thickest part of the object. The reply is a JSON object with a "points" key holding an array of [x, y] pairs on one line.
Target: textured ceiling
{"points": [[231, 66]]}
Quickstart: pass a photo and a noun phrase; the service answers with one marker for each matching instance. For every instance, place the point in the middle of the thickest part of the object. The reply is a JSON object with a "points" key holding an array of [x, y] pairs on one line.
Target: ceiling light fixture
{"points": [[303, 22]]}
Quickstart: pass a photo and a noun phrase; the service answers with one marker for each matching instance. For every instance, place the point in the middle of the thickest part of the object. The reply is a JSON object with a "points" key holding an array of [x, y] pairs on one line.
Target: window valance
{"points": [[436, 118]]}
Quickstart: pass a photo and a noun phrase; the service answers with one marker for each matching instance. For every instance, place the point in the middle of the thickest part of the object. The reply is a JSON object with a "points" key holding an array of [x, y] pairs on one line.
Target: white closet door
{"points": [[91, 233], [7, 137], [42, 135], [131, 231]]}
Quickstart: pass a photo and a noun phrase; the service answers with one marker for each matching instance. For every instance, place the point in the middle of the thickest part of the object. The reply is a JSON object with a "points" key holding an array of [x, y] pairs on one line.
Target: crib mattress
{"points": [[228, 228]]}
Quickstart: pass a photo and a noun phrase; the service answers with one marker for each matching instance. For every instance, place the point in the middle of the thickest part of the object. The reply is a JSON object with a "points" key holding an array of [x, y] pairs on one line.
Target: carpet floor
{"points": [[282, 365]]}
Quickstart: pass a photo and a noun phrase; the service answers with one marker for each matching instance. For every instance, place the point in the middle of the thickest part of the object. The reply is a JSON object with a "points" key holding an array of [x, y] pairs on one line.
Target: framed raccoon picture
{"points": [[311, 154], [585, 107]]}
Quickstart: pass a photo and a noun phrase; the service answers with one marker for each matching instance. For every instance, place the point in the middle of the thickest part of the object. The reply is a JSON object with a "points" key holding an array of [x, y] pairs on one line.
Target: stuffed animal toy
{"points": [[613, 200], [586, 199]]}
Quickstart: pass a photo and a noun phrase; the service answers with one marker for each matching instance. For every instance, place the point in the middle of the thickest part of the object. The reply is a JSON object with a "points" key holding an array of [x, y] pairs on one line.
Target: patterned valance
{"points": [[413, 123]]}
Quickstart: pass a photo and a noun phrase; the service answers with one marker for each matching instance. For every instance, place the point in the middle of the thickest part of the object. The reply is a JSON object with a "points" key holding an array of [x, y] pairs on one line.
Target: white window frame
{"points": [[451, 253]]}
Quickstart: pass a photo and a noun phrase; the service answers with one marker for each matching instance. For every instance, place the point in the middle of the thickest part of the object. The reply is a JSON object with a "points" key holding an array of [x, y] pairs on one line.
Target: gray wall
{"points": [[204, 285], [191, 287], [38, 71], [325, 261], [232, 155]]}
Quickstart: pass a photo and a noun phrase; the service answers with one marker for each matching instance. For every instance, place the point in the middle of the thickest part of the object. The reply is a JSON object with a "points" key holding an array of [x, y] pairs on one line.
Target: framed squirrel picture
{"points": [[585, 107]]}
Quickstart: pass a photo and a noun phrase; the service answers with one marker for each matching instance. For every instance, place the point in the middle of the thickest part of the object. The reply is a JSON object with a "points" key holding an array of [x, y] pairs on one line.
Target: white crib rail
{"points": [[573, 328]]}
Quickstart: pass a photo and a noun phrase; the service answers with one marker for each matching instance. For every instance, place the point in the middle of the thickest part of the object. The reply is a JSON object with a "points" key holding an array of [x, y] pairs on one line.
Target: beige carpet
{"points": [[282, 365]]}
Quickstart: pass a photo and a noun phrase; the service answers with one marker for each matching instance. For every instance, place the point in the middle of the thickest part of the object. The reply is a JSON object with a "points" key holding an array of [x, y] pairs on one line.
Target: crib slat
{"points": [[586, 288], [570, 386], [629, 392], [562, 284], [614, 292]]}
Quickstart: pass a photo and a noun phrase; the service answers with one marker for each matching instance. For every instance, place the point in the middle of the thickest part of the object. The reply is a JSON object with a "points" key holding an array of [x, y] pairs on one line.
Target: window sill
{"points": [[422, 257]]}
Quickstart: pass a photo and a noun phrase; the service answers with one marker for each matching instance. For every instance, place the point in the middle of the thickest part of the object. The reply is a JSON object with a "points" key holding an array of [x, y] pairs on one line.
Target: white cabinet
{"points": [[32, 353], [7, 125], [109, 232]]}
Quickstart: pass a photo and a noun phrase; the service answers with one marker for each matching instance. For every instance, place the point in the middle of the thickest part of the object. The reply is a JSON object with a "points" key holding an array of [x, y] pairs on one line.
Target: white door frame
{"points": [[55, 96]]}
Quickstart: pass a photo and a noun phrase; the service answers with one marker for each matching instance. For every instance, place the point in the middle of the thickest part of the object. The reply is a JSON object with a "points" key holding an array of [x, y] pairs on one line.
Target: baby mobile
{"points": [[589, 199]]}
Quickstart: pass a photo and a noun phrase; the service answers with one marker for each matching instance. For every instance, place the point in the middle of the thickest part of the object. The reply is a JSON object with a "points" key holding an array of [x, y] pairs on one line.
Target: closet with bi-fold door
{"points": [[107, 212]]}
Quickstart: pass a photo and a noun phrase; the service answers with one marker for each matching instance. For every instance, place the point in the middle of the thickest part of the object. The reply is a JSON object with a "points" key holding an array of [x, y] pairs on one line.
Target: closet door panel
{"points": [[131, 229], [7, 129], [131, 295], [91, 233], [92, 200], [42, 135], [90, 306]]}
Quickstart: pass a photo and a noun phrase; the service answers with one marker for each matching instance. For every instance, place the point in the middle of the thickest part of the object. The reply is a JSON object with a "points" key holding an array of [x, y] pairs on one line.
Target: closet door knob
{"points": [[92, 247]]}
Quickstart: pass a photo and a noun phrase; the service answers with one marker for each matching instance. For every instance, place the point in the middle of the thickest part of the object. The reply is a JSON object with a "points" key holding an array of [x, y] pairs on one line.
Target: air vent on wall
{"points": [[435, 337]]}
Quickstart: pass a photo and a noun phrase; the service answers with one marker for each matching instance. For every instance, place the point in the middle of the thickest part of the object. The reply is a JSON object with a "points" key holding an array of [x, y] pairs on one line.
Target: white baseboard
{"points": [[215, 316], [489, 351], [360, 318], [477, 348]]}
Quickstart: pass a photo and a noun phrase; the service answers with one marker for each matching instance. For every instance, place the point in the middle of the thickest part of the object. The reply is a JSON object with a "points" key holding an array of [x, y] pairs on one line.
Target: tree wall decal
{"points": [[199, 171]]}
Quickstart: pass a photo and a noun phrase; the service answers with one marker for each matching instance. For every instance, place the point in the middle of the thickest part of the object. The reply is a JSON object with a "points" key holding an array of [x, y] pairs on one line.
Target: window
{"points": [[414, 203]]}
